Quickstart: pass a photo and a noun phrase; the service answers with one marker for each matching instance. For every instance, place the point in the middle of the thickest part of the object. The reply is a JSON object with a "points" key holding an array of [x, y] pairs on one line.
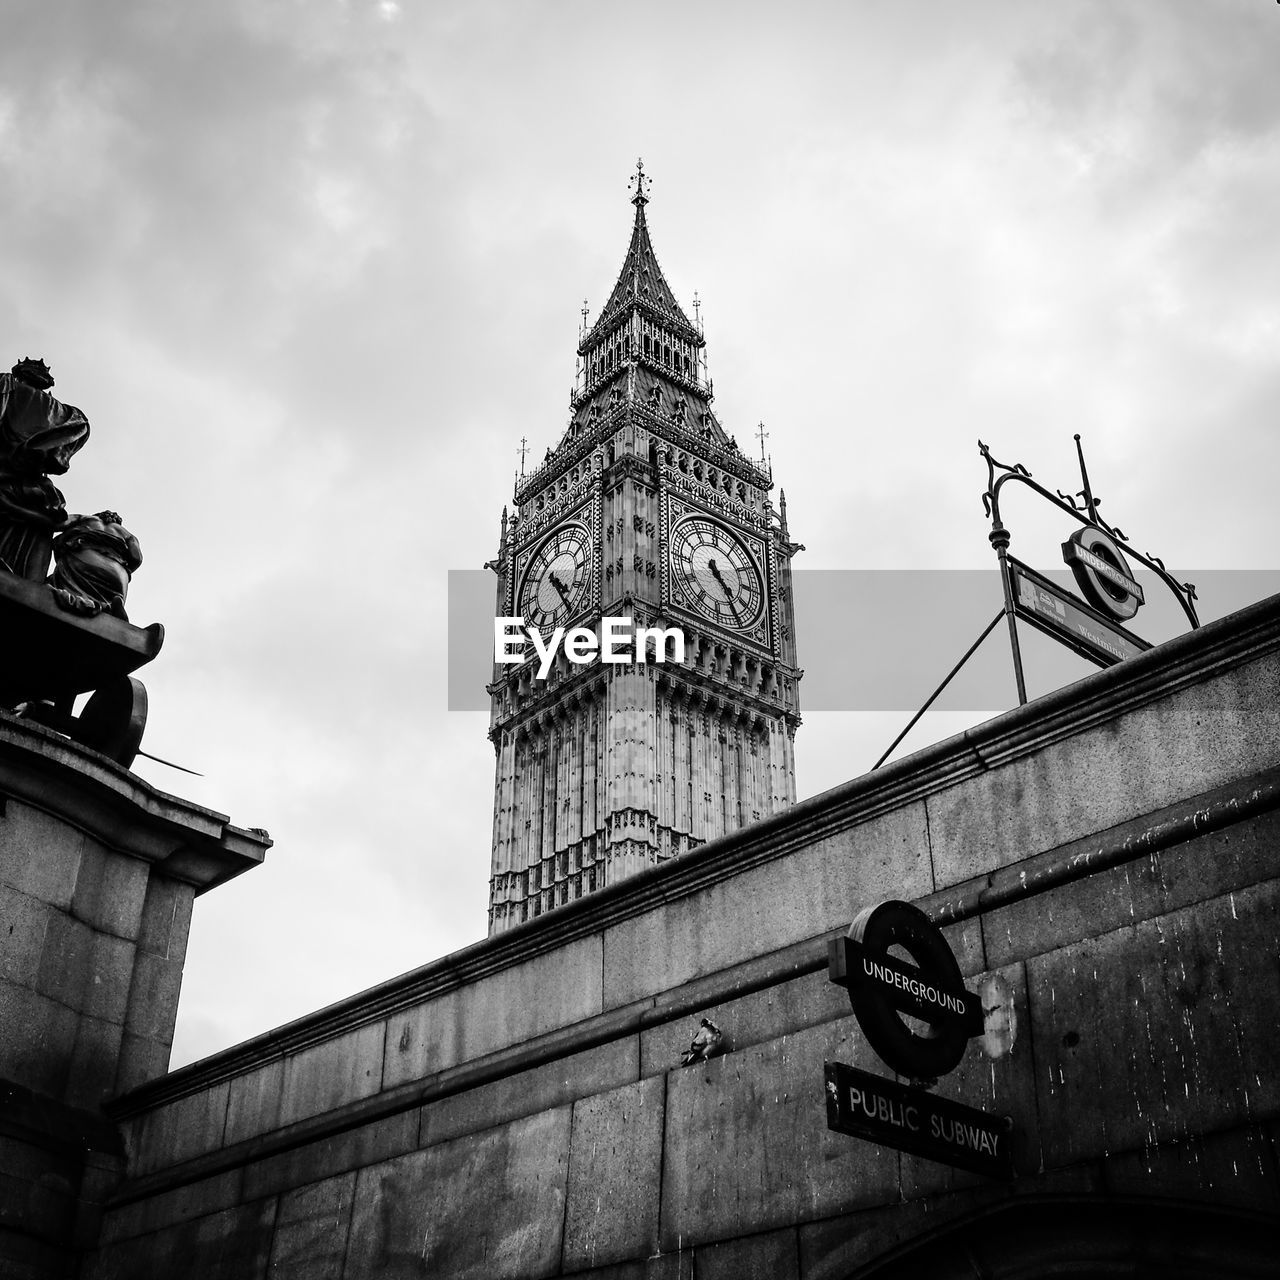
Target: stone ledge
{"points": [[83, 788]]}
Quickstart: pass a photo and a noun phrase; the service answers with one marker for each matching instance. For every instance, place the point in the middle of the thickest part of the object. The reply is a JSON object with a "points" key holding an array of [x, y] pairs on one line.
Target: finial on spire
{"points": [[523, 450], [641, 181], [697, 311], [762, 435]]}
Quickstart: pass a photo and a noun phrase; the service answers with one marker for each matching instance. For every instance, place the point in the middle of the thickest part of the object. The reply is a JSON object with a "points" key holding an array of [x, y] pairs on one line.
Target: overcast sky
{"points": [[313, 269]]}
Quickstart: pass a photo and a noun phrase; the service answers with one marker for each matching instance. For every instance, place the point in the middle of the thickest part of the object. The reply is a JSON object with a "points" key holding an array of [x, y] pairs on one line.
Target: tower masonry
{"points": [[646, 514]]}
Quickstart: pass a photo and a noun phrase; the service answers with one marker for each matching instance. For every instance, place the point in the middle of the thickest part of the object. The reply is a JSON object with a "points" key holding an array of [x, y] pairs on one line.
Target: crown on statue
{"points": [[34, 373]]}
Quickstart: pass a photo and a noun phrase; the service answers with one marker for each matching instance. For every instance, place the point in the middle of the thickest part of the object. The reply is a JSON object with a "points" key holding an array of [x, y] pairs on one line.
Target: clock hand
{"points": [[724, 586], [559, 586]]}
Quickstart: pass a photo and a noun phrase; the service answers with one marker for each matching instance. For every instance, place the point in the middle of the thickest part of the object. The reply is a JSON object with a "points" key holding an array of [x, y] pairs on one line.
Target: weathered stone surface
{"points": [[564, 1080], [166, 918], [253, 1104], [333, 1072], [183, 1204], [1138, 890], [311, 1230], [773, 1255], [141, 1059], [40, 1058], [1147, 1034], [662, 1266], [747, 1143], [1234, 1168], [110, 890], [554, 989], [93, 1062], [615, 1172], [39, 855], [371, 1143], [178, 1130], [411, 1222], [23, 922], [751, 1019], [1198, 738], [37, 1191], [230, 1245], [153, 997], [815, 889]]}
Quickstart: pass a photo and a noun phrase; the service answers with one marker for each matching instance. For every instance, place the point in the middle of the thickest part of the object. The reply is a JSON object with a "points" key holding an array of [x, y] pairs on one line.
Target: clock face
{"points": [[713, 573], [555, 583]]}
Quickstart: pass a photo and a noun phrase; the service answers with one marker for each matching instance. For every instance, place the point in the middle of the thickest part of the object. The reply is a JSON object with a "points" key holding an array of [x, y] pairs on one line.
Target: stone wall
{"points": [[98, 872], [519, 1108]]}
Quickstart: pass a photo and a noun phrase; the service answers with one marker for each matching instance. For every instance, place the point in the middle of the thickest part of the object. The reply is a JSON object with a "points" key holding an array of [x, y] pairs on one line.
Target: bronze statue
{"points": [[38, 436], [94, 558], [66, 634]]}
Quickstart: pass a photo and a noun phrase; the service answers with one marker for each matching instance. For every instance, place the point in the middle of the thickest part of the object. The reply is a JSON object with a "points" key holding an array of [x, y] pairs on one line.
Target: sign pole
{"points": [[1000, 539]]}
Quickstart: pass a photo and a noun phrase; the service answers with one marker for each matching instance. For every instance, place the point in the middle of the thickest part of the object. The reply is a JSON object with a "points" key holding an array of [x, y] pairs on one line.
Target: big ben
{"points": [[647, 510]]}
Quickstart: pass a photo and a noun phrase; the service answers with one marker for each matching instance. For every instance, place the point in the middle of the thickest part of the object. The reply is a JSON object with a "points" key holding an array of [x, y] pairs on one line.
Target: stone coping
{"points": [[1186, 660], [92, 793]]}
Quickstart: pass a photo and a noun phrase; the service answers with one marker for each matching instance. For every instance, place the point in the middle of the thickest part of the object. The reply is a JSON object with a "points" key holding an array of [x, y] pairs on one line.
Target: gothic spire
{"points": [[641, 284]]}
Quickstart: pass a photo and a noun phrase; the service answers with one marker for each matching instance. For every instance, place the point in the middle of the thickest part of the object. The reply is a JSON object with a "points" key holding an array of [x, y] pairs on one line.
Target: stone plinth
{"points": [[98, 872]]}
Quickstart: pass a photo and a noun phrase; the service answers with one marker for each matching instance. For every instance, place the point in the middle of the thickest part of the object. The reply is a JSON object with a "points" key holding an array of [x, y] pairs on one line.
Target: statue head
{"points": [[33, 373]]}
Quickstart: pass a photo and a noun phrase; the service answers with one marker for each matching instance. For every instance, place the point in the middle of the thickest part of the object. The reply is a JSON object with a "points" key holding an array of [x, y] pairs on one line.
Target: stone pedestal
{"points": [[98, 873]]}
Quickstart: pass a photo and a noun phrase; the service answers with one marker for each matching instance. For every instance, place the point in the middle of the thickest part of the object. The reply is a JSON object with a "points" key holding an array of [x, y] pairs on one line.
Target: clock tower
{"points": [[647, 511]]}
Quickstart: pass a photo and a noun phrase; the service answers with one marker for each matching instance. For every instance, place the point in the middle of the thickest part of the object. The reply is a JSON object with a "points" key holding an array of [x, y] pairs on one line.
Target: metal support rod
{"points": [[1007, 583], [934, 695]]}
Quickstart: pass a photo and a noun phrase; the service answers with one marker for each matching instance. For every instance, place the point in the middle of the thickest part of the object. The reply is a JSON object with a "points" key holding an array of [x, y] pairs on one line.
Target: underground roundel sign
{"points": [[916, 1015]]}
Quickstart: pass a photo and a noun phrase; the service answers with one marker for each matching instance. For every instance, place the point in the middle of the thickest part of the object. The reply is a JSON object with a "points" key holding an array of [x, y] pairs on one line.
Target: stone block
{"points": [[39, 854], [230, 1245], [1141, 889], [23, 922], [166, 918], [110, 977], [153, 997], [311, 1230], [1235, 1169], [366, 1144], [110, 889], [141, 1059], [615, 1173], [747, 1144], [819, 887], [1148, 1034], [94, 1058], [554, 989], [179, 1130], [22, 1257], [539, 1089], [332, 1073], [66, 960], [37, 1190], [751, 1019], [411, 1223], [772, 1255], [170, 1208], [40, 1056], [661, 1266], [253, 1105], [1197, 738]]}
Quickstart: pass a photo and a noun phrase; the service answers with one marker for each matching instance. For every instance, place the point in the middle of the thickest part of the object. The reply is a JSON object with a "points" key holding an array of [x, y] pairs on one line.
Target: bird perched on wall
{"points": [[706, 1043]]}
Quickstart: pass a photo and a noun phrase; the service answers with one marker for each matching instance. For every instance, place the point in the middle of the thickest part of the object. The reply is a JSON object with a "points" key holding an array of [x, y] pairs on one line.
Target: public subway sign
{"points": [[909, 1119], [885, 991]]}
